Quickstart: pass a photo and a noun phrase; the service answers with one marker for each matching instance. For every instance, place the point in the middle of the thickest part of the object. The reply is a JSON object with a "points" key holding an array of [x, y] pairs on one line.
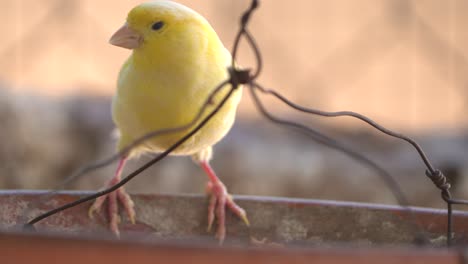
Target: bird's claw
{"points": [[219, 200], [113, 208]]}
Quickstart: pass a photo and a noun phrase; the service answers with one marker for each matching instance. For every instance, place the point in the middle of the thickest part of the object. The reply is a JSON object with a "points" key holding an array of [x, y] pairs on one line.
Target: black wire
{"points": [[449, 224], [325, 140], [127, 149], [139, 170], [355, 115], [435, 175], [245, 18], [150, 135]]}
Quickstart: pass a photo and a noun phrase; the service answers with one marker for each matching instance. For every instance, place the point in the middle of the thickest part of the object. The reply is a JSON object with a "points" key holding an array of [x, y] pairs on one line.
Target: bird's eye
{"points": [[157, 26]]}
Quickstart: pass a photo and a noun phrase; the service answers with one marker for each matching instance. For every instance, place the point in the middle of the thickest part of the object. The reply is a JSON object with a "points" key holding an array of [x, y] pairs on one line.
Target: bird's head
{"points": [[160, 26]]}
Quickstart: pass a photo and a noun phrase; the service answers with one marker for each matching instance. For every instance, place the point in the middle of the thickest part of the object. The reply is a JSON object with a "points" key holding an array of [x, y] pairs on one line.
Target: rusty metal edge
{"points": [[54, 248], [262, 199], [432, 219]]}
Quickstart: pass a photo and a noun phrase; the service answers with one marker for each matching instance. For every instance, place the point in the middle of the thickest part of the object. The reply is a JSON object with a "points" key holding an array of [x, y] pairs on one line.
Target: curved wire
{"points": [[136, 172], [355, 115], [123, 152], [325, 140]]}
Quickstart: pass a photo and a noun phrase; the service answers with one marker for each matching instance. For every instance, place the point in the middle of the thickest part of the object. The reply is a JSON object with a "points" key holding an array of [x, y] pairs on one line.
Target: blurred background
{"points": [[403, 63]]}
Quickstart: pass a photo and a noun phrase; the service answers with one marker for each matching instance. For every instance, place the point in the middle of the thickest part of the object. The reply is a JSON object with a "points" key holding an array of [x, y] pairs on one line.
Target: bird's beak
{"points": [[126, 37]]}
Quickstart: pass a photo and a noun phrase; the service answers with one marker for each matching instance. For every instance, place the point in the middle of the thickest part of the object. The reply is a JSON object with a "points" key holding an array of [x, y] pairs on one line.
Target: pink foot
{"points": [[113, 199], [113, 208], [219, 200]]}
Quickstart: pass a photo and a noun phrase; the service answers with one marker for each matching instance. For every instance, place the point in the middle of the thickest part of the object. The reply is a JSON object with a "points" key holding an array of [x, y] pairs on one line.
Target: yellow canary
{"points": [[177, 60]]}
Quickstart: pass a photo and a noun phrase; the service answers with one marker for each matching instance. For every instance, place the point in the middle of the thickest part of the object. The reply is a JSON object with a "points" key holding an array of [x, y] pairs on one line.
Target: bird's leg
{"points": [[219, 199], [113, 198]]}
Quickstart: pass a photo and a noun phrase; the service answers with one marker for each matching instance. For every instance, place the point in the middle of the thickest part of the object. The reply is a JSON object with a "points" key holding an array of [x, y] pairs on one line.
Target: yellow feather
{"points": [[168, 77]]}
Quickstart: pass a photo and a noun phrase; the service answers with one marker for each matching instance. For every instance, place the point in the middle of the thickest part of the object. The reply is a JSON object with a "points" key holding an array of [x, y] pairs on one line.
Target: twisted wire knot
{"points": [[439, 179], [246, 16], [239, 76]]}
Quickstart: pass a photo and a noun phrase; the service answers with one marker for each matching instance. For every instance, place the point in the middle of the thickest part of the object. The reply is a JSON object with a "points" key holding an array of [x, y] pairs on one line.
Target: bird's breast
{"points": [[147, 101]]}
